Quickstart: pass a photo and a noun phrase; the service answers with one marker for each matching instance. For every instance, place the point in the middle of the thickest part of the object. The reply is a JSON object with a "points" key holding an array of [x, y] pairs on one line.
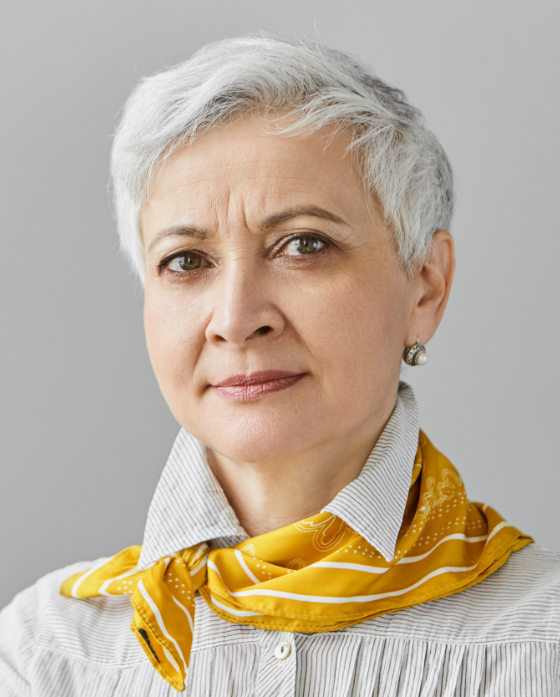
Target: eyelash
{"points": [[162, 266]]}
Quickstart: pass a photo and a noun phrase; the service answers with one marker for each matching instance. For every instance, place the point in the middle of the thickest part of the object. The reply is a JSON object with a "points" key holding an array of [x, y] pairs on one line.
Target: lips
{"points": [[258, 384]]}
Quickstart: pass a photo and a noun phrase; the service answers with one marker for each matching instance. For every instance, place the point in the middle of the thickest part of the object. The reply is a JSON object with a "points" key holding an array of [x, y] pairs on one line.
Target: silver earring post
{"points": [[416, 355]]}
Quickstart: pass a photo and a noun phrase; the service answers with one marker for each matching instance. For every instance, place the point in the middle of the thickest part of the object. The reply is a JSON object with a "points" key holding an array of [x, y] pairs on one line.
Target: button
{"points": [[283, 650]]}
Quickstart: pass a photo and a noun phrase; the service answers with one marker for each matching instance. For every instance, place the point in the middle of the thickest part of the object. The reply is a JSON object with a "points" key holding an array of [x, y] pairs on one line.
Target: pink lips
{"points": [[259, 384]]}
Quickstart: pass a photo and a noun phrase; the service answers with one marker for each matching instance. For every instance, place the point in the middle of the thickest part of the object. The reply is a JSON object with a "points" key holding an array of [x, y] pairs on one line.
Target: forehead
{"points": [[242, 166]]}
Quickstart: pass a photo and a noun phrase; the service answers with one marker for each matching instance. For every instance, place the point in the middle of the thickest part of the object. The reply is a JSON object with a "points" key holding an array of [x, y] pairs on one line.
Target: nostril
{"points": [[261, 331]]}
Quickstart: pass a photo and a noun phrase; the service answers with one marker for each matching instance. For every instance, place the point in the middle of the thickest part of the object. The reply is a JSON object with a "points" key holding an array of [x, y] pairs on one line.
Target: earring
{"points": [[415, 355]]}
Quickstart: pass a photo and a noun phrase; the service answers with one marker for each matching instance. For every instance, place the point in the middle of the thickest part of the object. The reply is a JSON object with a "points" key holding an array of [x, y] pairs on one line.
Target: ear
{"points": [[432, 285]]}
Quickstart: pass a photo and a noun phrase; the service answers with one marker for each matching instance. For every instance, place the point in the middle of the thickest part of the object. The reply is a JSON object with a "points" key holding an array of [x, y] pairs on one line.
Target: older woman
{"points": [[289, 214]]}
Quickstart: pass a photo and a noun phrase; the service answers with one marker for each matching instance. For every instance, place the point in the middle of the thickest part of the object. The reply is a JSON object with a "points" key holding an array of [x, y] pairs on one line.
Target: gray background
{"points": [[85, 432]]}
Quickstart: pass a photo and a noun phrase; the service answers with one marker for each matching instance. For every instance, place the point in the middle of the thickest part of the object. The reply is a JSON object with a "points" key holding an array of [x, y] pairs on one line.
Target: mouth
{"points": [[258, 384]]}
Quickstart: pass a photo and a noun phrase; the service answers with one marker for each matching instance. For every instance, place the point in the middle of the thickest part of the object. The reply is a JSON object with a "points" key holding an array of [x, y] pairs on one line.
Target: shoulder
{"points": [[530, 578], [507, 606], [534, 564], [518, 595], [40, 619]]}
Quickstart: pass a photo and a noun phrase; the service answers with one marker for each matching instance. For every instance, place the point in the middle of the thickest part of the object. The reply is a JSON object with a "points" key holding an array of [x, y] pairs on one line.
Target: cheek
{"points": [[173, 336], [355, 321]]}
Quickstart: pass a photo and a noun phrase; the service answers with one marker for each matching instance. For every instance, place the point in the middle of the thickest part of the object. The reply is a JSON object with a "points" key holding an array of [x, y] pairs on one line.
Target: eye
{"points": [[184, 262], [304, 244]]}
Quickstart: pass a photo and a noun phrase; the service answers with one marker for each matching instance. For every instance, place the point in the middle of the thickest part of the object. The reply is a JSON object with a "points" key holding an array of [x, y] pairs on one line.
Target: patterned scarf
{"points": [[317, 575]]}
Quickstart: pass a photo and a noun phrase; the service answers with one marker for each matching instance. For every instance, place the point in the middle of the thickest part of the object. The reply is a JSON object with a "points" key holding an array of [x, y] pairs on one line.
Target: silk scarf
{"points": [[316, 575]]}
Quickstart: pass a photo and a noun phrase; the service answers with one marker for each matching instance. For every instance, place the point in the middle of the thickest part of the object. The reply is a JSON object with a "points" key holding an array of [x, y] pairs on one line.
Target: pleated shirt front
{"points": [[499, 637]]}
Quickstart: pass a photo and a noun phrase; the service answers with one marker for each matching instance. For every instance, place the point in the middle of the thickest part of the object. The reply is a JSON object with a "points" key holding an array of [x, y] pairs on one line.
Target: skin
{"points": [[319, 291]]}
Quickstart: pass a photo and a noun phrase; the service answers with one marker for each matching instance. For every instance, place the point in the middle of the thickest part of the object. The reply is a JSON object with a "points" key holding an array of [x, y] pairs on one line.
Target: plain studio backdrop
{"points": [[85, 431]]}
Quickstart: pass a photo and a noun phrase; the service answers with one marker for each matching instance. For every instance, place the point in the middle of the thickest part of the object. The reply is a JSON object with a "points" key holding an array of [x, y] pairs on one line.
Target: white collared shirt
{"points": [[500, 637]]}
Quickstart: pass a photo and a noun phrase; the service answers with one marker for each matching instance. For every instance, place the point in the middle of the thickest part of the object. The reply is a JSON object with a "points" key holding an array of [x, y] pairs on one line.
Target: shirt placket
{"points": [[276, 675]]}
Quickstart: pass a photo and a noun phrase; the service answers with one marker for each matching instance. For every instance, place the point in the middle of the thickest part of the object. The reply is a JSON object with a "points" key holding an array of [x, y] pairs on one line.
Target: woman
{"points": [[288, 213]]}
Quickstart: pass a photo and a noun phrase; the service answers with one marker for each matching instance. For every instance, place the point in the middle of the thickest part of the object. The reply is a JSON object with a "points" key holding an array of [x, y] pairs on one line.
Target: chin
{"points": [[257, 437]]}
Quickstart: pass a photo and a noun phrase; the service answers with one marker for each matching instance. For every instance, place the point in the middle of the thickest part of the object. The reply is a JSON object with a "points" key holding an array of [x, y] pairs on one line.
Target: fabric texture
{"points": [[316, 575], [498, 637]]}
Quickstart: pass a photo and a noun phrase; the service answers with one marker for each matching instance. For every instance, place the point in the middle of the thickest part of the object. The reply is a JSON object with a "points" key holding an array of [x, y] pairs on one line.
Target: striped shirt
{"points": [[499, 637]]}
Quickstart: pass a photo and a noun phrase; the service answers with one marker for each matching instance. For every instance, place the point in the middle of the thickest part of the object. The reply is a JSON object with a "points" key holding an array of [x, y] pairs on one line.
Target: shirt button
{"points": [[283, 650]]}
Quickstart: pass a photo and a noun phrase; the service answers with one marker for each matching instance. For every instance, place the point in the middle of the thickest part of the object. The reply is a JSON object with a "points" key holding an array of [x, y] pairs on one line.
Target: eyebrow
{"points": [[187, 230], [276, 219], [269, 223]]}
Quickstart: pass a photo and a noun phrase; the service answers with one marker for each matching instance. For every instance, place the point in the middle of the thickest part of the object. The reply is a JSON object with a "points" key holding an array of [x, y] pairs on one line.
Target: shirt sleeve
{"points": [[18, 634]]}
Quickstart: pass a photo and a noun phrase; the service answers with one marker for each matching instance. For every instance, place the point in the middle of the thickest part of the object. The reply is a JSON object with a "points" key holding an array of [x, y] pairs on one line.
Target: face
{"points": [[276, 309]]}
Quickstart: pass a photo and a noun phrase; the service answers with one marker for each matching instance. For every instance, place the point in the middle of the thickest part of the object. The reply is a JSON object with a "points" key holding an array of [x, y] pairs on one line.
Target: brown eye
{"points": [[305, 244], [185, 262]]}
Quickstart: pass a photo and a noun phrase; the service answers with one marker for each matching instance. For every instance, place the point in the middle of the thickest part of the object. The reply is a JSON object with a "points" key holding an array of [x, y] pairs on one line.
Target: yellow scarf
{"points": [[317, 575]]}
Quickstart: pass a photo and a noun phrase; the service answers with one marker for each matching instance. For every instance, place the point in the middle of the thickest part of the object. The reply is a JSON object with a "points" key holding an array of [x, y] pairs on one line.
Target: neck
{"points": [[270, 495]]}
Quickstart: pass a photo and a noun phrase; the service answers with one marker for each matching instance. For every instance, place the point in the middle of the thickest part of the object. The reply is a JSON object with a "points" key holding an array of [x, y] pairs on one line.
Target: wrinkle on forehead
{"points": [[242, 172]]}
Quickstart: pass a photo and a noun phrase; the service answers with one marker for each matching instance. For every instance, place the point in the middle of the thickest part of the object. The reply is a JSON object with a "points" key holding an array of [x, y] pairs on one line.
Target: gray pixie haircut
{"points": [[401, 162]]}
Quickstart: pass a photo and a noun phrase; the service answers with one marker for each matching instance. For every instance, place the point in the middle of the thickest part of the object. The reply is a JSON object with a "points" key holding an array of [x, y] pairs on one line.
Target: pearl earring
{"points": [[415, 355]]}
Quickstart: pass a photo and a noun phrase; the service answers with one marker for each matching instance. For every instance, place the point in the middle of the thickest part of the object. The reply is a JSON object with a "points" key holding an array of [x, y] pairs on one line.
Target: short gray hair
{"points": [[401, 161]]}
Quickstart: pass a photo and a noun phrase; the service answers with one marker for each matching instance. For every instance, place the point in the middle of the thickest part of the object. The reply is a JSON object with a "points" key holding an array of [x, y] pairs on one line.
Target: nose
{"points": [[242, 310]]}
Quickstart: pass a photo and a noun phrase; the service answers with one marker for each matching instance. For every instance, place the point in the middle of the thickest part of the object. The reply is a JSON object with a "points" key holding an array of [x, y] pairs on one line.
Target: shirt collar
{"points": [[373, 504], [190, 507]]}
